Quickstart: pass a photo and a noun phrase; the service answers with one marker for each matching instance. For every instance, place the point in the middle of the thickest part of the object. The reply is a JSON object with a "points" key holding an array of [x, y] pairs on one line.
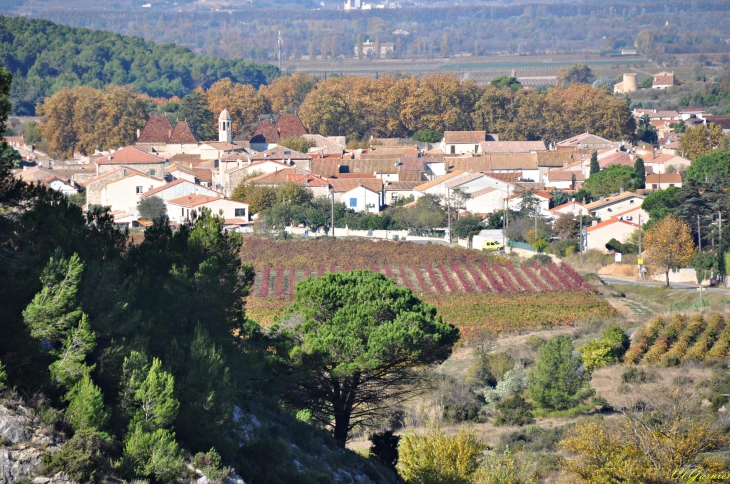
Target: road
{"points": [[682, 286]]}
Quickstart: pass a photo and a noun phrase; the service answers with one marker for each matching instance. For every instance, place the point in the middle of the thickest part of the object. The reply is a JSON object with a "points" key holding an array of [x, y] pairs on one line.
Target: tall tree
{"points": [[86, 406], [710, 167], [577, 73], [595, 167], [194, 109], [639, 173], [700, 140], [243, 102], [354, 341], [669, 244], [611, 180]]}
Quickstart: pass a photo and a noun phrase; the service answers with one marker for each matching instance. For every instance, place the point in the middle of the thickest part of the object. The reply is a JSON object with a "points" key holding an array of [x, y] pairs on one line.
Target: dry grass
{"points": [[624, 270]]}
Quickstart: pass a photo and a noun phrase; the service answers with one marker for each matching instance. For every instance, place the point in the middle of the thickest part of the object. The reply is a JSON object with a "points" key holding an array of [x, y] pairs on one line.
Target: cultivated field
{"points": [[472, 290]]}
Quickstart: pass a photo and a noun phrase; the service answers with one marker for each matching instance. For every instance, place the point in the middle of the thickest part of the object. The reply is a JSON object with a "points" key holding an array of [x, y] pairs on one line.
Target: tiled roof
{"points": [[401, 185], [265, 133], [565, 175], [372, 184], [307, 180], [620, 158], [439, 180], [465, 179], [203, 174], [182, 134], [153, 191], [340, 176], [128, 155], [565, 205], [280, 153], [275, 177], [505, 177], [554, 159], [575, 140], [322, 142], [722, 121], [130, 173], [660, 158], [379, 165], [157, 130], [451, 137], [179, 167], [226, 146], [537, 193], [469, 163], [195, 200], [520, 161], [483, 191], [598, 204], [326, 167], [512, 146], [184, 157], [611, 221], [289, 125], [664, 178], [663, 79]]}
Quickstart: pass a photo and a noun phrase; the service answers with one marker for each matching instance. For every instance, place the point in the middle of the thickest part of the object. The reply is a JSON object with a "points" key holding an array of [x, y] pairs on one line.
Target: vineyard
{"points": [[472, 290], [673, 340]]}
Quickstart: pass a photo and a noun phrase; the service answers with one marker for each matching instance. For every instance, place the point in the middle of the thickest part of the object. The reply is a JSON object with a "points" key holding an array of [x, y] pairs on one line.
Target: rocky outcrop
{"points": [[21, 447]]}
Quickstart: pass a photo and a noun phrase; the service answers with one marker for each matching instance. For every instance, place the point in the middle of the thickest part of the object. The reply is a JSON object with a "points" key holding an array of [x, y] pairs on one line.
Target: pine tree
{"points": [[595, 167], [86, 405], [152, 454], [54, 310], [155, 398], [70, 366], [639, 173], [3, 376]]}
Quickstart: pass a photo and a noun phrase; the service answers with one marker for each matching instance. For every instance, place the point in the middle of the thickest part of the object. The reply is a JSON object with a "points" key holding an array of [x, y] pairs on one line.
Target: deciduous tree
{"points": [[577, 73], [151, 208], [242, 101], [669, 244], [700, 140]]}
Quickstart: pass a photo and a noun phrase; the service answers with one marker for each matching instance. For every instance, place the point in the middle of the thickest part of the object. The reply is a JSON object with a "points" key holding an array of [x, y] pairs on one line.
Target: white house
{"points": [[607, 207], [183, 209], [362, 199], [398, 190], [125, 193], [657, 181], [486, 200], [563, 179], [437, 186], [178, 188], [572, 208], [543, 207], [461, 142]]}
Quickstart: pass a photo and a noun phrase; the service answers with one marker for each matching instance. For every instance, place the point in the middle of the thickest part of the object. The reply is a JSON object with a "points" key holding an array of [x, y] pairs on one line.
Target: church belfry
{"points": [[225, 134]]}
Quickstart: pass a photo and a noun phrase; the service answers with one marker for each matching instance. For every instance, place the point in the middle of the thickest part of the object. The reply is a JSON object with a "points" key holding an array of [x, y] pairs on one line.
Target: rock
{"points": [[14, 426], [202, 480], [234, 479], [16, 465]]}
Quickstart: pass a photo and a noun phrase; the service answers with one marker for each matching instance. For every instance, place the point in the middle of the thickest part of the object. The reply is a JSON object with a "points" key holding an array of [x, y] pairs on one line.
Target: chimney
{"points": [[137, 132], [109, 157], [594, 223], [239, 162], [25, 167], [169, 133]]}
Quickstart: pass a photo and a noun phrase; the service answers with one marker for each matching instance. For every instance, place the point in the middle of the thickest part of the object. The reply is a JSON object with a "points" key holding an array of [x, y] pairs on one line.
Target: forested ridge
{"points": [[45, 57]]}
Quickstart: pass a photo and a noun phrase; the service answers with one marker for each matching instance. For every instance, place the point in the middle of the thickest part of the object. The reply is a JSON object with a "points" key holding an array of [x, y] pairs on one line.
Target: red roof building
{"points": [[289, 125]]}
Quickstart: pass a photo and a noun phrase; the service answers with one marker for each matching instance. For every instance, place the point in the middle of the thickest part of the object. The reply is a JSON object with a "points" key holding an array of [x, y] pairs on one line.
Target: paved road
{"points": [[684, 286]]}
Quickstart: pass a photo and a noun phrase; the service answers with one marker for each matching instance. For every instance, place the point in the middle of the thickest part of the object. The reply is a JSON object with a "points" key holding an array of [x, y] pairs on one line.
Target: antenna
{"points": [[280, 43]]}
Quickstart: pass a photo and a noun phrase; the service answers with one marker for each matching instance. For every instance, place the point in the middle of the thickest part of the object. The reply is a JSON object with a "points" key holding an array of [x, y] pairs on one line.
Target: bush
{"points": [[609, 348], [211, 465], [384, 448], [81, 457], [515, 382], [541, 259], [534, 438], [505, 468], [428, 135], [487, 370], [152, 454], [296, 143], [151, 208], [564, 247], [435, 458], [459, 402], [514, 411]]}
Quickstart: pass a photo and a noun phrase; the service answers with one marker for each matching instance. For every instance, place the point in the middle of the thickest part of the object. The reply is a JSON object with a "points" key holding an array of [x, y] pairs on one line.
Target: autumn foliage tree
{"points": [[700, 140], [669, 244], [242, 101]]}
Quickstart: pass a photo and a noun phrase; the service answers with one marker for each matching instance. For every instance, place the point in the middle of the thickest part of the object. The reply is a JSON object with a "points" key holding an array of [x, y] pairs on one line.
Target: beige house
{"points": [[663, 80], [185, 208], [131, 157], [398, 190], [125, 193], [178, 188], [600, 234], [607, 207], [461, 142], [658, 181], [660, 162]]}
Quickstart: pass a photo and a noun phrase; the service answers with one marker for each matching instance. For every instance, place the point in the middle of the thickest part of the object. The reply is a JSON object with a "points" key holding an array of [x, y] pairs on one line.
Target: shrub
{"points": [[487, 370], [534, 438], [541, 259], [151, 208], [384, 448], [152, 454], [505, 468], [211, 465], [609, 348], [81, 457], [514, 411], [515, 382], [459, 402], [435, 458], [557, 382], [428, 135]]}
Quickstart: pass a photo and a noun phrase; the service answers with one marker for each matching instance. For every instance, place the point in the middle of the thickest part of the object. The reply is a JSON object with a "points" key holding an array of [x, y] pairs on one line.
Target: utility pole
{"points": [[448, 206], [580, 237], [333, 214]]}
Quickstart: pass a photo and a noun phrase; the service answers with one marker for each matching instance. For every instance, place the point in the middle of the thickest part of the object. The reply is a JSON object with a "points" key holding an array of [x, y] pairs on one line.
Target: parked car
{"points": [[492, 245]]}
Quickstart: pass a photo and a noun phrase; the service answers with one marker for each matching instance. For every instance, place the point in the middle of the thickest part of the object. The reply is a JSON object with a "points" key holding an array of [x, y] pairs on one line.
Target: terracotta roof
{"points": [[182, 134], [565, 175], [512, 146], [537, 193], [620, 158], [451, 137], [153, 191], [565, 205], [470, 163], [355, 175], [722, 121], [322, 141], [195, 200], [524, 161], [128, 155], [225, 146], [664, 178], [554, 159], [615, 199], [401, 185], [575, 140], [327, 167], [505, 177], [465, 179], [289, 125], [275, 177], [372, 184], [184, 157], [378, 165], [611, 221], [663, 79], [439, 180], [157, 130], [307, 180], [236, 221], [203, 174], [265, 133], [483, 191], [661, 158], [179, 167], [280, 153]]}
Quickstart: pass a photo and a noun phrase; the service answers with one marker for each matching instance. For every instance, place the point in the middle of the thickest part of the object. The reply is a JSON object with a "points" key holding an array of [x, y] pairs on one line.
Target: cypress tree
{"points": [[639, 173], [595, 167]]}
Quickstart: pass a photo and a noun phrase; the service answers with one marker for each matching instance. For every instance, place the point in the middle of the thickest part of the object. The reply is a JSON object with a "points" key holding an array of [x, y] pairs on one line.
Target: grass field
{"points": [[472, 290]]}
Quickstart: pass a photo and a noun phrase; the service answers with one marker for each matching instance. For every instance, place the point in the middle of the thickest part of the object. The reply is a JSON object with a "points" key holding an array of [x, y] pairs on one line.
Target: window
{"points": [[671, 185], [240, 212], [476, 148], [353, 202], [138, 190], [179, 190], [453, 149], [654, 186], [190, 190], [152, 172]]}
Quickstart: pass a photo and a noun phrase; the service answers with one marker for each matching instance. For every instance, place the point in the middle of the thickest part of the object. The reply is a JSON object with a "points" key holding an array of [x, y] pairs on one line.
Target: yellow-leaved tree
{"points": [[669, 244], [436, 458], [700, 140]]}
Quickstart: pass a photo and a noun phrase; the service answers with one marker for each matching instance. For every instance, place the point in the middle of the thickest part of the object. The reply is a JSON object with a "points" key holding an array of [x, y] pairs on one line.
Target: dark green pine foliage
{"points": [[595, 167], [639, 173]]}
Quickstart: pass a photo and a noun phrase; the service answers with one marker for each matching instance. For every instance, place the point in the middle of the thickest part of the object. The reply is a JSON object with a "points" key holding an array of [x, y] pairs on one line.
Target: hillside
{"points": [[44, 57]]}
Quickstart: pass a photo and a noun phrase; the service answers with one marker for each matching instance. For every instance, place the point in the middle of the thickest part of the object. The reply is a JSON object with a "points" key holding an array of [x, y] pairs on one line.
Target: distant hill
{"points": [[45, 57]]}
